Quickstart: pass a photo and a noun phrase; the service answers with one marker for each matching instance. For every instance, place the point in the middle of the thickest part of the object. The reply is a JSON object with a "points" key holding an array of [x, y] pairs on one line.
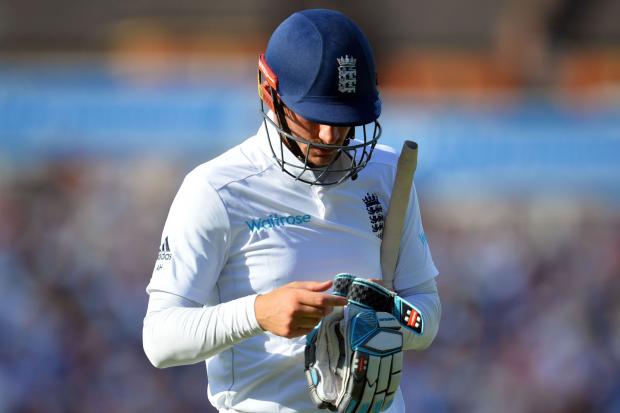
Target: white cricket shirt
{"points": [[239, 226]]}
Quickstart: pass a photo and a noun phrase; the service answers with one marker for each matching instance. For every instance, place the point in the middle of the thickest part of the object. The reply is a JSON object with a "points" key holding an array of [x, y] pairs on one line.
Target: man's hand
{"points": [[296, 308]]}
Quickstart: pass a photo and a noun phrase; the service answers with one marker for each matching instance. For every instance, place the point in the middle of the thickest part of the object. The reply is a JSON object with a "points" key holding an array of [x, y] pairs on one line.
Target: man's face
{"points": [[316, 133]]}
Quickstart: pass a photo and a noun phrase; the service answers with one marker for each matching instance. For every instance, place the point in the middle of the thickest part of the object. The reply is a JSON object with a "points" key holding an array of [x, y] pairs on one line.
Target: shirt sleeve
{"points": [[178, 331], [424, 297], [194, 244], [415, 263]]}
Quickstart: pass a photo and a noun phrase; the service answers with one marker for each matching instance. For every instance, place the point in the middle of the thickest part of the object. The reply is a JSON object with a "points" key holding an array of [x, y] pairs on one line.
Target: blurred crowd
{"points": [[530, 287], [530, 284], [77, 245], [531, 318]]}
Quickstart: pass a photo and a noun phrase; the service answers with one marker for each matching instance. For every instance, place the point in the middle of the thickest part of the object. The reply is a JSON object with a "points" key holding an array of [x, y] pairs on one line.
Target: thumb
{"points": [[312, 285]]}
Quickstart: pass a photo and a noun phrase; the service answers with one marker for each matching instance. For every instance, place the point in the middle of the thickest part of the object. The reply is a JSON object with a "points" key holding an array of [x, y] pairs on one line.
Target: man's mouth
{"points": [[323, 151]]}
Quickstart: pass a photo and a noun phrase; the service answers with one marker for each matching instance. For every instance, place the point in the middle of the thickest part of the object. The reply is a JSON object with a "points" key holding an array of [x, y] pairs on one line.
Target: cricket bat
{"points": [[399, 203]]}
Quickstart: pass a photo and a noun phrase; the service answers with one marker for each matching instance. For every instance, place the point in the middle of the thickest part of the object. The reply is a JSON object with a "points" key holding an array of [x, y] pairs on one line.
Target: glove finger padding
{"points": [[374, 352], [373, 347]]}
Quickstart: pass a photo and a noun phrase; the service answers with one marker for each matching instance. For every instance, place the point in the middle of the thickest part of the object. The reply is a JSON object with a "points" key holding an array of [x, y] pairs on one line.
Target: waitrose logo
{"points": [[275, 220]]}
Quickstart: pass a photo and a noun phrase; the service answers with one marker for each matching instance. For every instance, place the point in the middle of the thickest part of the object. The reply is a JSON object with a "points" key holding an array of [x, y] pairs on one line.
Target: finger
{"points": [[322, 300], [310, 311], [311, 285], [314, 311], [327, 310], [307, 322]]}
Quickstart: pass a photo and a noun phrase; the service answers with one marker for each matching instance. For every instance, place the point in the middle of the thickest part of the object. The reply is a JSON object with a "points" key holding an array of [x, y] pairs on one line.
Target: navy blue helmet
{"points": [[319, 64]]}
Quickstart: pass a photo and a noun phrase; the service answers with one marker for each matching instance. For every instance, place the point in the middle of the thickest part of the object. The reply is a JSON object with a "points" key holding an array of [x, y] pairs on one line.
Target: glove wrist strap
{"points": [[371, 295]]}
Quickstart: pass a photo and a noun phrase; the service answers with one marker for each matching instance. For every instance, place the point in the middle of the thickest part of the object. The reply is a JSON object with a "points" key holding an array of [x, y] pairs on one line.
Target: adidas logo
{"points": [[164, 251]]}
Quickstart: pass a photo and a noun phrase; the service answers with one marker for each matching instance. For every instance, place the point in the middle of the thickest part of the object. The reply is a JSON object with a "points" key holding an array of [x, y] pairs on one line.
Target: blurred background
{"points": [[106, 105]]}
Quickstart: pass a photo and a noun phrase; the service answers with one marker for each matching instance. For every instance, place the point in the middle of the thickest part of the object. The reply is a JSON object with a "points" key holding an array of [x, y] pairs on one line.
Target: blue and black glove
{"points": [[353, 358]]}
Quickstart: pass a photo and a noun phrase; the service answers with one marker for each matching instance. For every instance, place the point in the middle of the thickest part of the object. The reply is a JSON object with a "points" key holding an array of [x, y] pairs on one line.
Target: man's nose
{"points": [[329, 134]]}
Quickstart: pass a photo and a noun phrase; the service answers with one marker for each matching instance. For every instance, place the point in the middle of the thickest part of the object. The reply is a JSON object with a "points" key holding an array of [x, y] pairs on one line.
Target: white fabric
{"points": [[178, 331], [425, 298], [238, 227]]}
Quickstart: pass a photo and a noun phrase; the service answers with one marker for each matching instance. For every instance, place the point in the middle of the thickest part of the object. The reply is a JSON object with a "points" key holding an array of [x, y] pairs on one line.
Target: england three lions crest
{"points": [[347, 74], [375, 213]]}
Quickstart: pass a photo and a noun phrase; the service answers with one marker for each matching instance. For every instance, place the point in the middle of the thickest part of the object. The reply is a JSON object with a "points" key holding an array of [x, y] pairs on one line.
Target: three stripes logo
{"points": [[164, 251]]}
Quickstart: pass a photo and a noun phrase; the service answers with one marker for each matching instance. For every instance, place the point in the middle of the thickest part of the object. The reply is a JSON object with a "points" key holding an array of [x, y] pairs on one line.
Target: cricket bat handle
{"points": [[397, 210]]}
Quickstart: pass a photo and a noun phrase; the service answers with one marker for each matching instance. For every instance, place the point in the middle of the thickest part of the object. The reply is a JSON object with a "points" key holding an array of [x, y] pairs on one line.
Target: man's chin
{"points": [[321, 161]]}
